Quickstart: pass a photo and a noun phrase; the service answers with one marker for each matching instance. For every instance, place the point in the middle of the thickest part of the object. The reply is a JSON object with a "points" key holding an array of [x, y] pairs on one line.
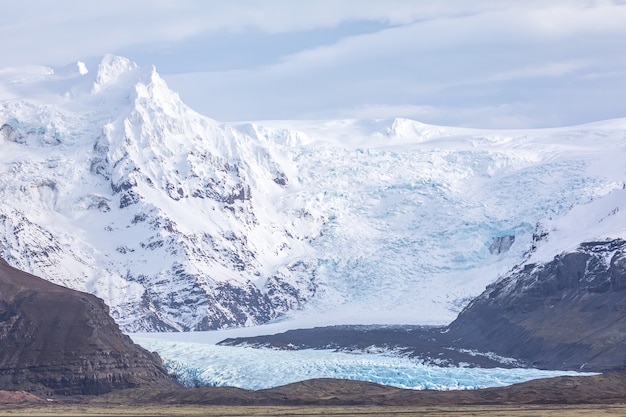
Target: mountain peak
{"points": [[110, 69], [121, 77], [75, 69]]}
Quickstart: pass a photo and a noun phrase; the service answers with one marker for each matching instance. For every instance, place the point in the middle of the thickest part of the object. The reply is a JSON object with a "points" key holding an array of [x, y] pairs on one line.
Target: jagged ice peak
{"points": [[111, 68]]}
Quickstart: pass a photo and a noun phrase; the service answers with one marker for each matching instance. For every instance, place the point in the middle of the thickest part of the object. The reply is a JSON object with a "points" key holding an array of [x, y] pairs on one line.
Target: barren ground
{"points": [[344, 411]]}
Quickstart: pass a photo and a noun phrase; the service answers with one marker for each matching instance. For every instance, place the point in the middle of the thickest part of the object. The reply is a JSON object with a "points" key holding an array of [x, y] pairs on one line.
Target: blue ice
{"points": [[197, 364]]}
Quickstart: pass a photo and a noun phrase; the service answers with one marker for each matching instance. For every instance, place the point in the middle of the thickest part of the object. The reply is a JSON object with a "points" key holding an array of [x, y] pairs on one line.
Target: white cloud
{"points": [[60, 29], [384, 111], [439, 54]]}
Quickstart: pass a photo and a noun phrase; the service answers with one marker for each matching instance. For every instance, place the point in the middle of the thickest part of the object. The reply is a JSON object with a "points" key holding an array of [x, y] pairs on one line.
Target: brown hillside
{"points": [[600, 389], [56, 341]]}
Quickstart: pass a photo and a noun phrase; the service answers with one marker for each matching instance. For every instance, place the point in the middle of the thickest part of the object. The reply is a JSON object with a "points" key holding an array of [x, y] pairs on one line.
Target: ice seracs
{"points": [[198, 364], [183, 223]]}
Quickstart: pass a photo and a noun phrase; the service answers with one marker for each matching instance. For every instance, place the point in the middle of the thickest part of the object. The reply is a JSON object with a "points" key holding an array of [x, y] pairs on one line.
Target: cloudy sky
{"points": [[481, 63]]}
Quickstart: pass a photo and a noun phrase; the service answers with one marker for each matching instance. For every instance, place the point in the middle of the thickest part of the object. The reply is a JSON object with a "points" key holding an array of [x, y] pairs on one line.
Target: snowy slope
{"points": [[112, 185], [119, 189]]}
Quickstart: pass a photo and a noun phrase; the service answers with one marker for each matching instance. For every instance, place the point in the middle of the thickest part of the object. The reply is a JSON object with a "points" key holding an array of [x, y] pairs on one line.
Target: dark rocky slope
{"points": [[431, 345], [57, 341], [566, 314], [569, 313]]}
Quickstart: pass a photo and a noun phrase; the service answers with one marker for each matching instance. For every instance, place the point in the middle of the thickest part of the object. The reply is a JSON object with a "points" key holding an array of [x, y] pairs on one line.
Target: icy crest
{"points": [[75, 69], [601, 219], [409, 130], [111, 70]]}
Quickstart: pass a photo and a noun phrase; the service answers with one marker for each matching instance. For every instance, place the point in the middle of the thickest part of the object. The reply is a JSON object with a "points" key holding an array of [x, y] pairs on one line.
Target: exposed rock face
{"points": [[57, 341], [565, 314], [501, 244]]}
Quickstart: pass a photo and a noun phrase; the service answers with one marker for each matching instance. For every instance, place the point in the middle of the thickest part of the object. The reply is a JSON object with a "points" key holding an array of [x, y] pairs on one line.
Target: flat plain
{"points": [[554, 410]]}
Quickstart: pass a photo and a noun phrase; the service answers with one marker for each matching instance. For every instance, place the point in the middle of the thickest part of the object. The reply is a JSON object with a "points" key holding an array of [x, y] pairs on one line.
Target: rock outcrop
{"points": [[57, 341], [565, 314]]}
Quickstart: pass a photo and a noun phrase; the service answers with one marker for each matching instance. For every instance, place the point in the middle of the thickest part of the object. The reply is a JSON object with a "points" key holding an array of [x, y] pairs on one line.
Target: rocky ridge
{"points": [[564, 314]]}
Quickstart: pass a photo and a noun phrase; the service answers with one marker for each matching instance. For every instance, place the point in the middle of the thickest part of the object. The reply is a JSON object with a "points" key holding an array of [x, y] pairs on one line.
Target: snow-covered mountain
{"points": [[110, 184], [113, 186]]}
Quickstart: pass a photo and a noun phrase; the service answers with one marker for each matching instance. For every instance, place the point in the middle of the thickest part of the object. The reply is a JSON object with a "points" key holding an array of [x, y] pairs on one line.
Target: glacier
{"points": [[112, 185], [200, 364]]}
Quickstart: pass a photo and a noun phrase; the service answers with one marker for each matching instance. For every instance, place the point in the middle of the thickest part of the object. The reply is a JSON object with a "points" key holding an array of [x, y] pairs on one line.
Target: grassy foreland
{"points": [[344, 411]]}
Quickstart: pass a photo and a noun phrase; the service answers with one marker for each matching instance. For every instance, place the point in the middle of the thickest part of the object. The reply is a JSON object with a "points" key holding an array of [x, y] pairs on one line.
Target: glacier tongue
{"points": [[198, 364], [113, 185]]}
